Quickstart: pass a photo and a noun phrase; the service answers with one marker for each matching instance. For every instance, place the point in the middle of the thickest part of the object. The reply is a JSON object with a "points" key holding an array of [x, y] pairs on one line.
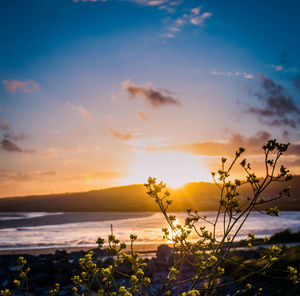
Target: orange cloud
{"points": [[126, 136], [105, 175], [26, 86], [143, 115], [26, 176], [81, 110], [226, 148]]}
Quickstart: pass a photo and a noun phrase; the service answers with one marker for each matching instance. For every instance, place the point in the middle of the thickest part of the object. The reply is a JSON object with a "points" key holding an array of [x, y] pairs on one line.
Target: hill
{"points": [[201, 196]]}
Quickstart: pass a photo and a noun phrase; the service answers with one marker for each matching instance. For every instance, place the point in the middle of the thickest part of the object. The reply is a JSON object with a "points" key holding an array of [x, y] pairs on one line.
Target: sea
{"points": [[81, 229]]}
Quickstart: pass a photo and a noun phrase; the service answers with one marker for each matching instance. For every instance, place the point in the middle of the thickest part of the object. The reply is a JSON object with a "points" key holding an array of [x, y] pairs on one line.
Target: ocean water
{"points": [[43, 230]]}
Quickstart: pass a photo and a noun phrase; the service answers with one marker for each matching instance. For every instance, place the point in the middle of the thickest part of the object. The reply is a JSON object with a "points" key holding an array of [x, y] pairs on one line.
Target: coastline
{"points": [[71, 217], [141, 248], [64, 233]]}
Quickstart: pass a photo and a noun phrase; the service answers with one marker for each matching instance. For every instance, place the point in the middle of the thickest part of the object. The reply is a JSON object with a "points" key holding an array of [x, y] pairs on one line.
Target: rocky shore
{"points": [[48, 269]]}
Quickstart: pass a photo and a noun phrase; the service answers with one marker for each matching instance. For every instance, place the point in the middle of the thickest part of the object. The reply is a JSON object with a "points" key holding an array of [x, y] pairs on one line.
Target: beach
{"points": [[42, 233]]}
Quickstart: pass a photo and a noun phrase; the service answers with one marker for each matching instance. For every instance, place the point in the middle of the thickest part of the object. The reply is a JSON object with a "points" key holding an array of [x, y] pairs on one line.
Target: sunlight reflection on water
{"points": [[148, 229]]}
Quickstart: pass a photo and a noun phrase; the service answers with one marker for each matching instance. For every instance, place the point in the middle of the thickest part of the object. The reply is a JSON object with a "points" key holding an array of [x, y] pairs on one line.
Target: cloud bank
{"points": [[276, 106], [225, 148]]}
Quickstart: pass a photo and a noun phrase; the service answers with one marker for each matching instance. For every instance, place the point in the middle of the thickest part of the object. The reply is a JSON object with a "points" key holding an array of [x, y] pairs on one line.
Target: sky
{"points": [[95, 94]]}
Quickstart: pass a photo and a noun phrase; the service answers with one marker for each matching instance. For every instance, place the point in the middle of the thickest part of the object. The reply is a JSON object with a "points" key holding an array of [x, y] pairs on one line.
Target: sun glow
{"points": [[173, 233], [173, 168]]}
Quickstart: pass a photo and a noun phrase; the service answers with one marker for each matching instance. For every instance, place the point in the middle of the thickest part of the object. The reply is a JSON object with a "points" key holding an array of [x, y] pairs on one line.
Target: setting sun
{"points": [[173, 168]]}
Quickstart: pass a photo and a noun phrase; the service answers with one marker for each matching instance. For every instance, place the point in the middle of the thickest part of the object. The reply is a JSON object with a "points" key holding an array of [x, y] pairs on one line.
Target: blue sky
{"points": [[89, 88]]}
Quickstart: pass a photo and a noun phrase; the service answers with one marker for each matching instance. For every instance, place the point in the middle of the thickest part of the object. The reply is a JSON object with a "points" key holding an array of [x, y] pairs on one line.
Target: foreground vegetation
{"points": [[194, 268]]}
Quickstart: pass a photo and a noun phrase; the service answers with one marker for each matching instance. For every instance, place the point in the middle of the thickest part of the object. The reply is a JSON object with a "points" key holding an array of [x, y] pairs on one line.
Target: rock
{"points": [[151, 268], [171, 260], [108, 261], [162, 265], [99, 252], [60, 254], [159, 277], [163, 252]]}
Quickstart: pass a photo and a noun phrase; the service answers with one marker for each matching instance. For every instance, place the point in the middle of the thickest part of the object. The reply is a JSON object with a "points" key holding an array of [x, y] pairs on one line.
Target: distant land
{"points": [[200, 196]]}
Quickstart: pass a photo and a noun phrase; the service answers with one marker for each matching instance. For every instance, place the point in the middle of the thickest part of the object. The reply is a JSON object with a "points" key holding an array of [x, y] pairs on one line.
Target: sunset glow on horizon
{"points": [[97, 94], [173, 168]]}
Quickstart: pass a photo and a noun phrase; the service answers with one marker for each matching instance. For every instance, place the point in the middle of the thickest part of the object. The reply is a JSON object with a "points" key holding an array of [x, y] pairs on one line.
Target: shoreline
{"points": [[70, 217], [141, 248]]}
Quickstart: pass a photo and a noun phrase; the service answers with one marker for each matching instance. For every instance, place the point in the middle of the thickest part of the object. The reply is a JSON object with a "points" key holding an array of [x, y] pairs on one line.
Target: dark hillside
{"points": [[201, 196]]}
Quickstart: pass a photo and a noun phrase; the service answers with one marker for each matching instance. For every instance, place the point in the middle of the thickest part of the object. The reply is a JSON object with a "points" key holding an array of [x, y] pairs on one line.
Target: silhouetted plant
{"points": [[210, 253]]}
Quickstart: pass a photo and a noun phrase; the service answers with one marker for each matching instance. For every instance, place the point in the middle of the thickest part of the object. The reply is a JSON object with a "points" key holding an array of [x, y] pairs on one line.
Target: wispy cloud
{"points": [[195, 17], [148, 142], [277, 67], [9, 146], [280, 68], [17, 137], [284, 65], [166, 5], [105, 174], [156, 98], [4, 125], [81, 110], [168, 35], [276, 106], [126, 136], [252, 144], [154, 2], [143, 115], [26, 86], [26, 176], [9, 137], [94, 175], [76, 1], [198, 19], [233, 74], [47, 155]]}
